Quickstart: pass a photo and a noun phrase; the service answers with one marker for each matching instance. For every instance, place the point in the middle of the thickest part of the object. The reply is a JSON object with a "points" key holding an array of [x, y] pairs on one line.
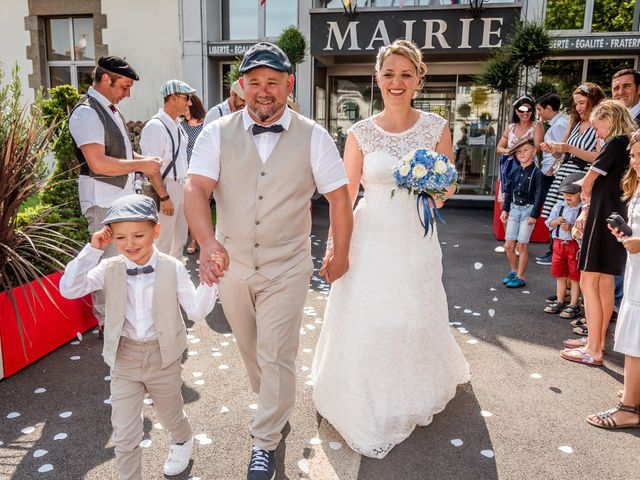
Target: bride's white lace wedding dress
{"points": [[386, 360]]}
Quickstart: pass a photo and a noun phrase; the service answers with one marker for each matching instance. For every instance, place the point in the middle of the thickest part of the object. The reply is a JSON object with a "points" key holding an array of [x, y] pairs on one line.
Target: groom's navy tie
{"points": [[258, 129]]}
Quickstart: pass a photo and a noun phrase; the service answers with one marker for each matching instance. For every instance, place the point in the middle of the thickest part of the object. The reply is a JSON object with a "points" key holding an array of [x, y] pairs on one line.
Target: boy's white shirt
{"points": [[86, 274]]}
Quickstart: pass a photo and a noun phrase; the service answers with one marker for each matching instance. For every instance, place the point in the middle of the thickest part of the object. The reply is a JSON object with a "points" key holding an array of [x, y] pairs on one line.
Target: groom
{"points": [[263, 164]]}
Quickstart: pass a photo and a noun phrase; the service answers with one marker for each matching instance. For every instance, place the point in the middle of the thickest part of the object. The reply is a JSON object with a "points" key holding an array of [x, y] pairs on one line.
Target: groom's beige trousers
{"points": [[265, 317]]}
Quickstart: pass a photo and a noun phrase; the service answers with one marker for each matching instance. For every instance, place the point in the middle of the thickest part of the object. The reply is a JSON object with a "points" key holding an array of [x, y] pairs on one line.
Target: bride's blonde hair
{"points": [[630, 182], [408, 50]]}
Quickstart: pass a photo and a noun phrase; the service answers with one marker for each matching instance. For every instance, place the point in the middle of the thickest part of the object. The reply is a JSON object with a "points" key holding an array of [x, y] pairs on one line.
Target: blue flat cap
{"points": [[173, 87], [265, 54], [118, 65], [132, 208]]}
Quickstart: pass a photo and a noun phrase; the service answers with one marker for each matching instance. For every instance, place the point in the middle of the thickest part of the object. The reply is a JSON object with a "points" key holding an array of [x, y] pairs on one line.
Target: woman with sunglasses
{"points": [[579, 147], [523, 124]]}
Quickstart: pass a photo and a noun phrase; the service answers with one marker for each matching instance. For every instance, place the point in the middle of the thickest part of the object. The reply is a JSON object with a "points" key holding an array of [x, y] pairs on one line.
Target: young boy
{"points": [[144, 334], [564, 262], [521, 208]]}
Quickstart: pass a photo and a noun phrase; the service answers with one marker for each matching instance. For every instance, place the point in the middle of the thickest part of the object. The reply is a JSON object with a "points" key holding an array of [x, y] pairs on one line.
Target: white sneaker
{"points": [[178, 459]]}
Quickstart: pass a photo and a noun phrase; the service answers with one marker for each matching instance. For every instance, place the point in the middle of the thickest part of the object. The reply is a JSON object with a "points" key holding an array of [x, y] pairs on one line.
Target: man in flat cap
{"points": [[232, 104], [102, 147], [263, 165], [163, 137]]}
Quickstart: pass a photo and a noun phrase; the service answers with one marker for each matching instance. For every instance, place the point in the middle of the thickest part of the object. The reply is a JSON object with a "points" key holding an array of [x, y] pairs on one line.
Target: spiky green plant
{"points": [[29, 248]]}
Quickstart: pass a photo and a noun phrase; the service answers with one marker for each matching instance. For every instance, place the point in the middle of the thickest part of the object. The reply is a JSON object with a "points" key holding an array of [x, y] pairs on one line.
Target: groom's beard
{"points": [[265, 112]]}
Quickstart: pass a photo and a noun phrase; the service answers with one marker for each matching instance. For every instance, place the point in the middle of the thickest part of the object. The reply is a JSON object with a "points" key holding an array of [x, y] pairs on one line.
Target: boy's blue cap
{"points": [[132, 208], [265, 54]]}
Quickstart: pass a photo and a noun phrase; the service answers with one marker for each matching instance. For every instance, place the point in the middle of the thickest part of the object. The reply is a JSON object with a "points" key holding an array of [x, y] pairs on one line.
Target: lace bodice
{"points": [[382, 149]]}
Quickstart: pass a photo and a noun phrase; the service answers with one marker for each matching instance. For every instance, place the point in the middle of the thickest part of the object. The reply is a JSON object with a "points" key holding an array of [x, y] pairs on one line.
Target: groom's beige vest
{"points": [[165, 311], [263, 216]]}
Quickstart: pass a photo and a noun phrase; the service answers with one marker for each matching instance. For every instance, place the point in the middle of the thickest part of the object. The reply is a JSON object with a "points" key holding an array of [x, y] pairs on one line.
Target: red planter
{"points": [[53, 324], [540, 232]]}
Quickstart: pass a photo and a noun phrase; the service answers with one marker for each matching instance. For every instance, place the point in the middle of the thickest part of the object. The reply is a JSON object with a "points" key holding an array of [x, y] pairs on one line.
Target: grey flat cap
{"points": [[265, 54], [132, 208]]}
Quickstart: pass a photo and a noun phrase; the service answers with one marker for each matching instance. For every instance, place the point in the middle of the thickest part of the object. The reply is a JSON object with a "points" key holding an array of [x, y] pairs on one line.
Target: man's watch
{"points": [[165, 198]]}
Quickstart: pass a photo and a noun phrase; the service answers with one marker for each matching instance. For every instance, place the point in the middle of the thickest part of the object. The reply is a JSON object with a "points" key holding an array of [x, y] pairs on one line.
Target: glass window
{"points": [[70, 51], [601, 71], [350, 102], [612, 15], [280, 14], [566, 74], [565, 14], [239, 20]]}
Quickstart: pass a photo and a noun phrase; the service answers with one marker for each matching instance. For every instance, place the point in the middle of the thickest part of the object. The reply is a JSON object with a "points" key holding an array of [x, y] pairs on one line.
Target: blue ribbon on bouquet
{"points": [[427, 218]]}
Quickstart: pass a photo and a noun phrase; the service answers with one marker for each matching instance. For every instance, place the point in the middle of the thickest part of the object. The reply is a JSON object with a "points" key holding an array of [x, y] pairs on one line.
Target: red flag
{"points": [[262, 2]]}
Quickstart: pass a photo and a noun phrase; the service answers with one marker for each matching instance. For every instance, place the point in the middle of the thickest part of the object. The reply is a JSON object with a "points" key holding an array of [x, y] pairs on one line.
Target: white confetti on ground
{"points": [[201, 436], [194, 340], [60, 436], [495, 299], [190, 336], [315, 441], [158, 426], [485, 413], [79, 336], [335, 445], [203, 439], [65, 414], [536, 375], [40, 390], [224, 409], [146, 443], [227, 335], [457, 307], [216, 354], [455, 323], [197, 374], [75, 357], [456, 442], [39, 453], [565, 449], [96, 331], [253, 406], [487, 453], [463, 330], [491, 312], [309, 382], [456, 245], [28, 430], [75, 342], [310, 327], [526, 292], [492, 289], [303, 465], [306, 350], [148, 401], [107, 378], [199, 382], [192, 353], [224, 344], [47, 467], [304, 368], [466, 310], [473, 341], [223, 367], [477, 265], [476, 314], [215, 349]]}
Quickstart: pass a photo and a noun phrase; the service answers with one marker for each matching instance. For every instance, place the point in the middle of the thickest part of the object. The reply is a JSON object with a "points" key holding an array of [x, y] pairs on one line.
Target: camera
{"points": [[616, 221]]}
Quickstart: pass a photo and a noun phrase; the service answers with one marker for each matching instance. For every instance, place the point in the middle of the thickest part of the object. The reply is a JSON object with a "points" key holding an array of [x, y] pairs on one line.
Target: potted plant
{"points": [[35, 241]]}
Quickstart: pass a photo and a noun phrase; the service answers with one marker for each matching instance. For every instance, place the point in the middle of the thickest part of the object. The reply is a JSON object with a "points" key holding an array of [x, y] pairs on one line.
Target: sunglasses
{"points": [[583, 88], [187, 97], [524, 110]]}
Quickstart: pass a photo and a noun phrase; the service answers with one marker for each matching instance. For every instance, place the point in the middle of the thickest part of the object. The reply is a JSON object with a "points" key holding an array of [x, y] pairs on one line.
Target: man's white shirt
{"points": [[155, 142], [86, 128], [216, 112], [326, 164], [557, 128]]}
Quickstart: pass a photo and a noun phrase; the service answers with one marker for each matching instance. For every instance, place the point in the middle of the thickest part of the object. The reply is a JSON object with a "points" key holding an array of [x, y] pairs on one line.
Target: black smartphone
{"points": [[616, 221]]}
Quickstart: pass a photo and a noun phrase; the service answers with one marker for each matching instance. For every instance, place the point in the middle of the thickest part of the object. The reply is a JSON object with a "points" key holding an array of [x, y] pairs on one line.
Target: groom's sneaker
{"points": [[262, 465]]}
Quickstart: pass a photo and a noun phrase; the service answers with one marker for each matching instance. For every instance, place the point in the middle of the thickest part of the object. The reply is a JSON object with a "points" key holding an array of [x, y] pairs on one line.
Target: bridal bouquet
{"points": [[426, 174]]}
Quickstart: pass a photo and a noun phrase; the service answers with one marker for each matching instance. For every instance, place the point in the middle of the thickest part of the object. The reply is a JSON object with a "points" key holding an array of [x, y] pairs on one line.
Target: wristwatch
{"points": [[165, 198]]}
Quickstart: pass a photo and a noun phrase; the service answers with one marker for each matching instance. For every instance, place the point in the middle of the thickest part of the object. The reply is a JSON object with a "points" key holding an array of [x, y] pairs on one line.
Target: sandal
{"points": [[555, 307], [570, 312], [575, 343], [578, 322], [580, 356], [605, 419], [581, 330], [554, 298]]}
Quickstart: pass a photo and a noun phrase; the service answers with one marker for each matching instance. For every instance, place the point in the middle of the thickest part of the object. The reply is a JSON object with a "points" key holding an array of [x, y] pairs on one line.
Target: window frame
{"points": [[72, 64], [262, 23], [588, 19]]}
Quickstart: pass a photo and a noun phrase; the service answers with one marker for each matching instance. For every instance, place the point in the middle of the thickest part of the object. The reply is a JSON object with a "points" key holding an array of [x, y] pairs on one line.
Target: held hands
{"points": [[102, 238], [580, 221], [214, 260], [333, 267], [151, 165]]}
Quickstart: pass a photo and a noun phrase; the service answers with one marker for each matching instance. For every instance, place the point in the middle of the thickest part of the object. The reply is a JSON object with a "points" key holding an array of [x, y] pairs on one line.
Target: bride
{"points": [[386, 360]]}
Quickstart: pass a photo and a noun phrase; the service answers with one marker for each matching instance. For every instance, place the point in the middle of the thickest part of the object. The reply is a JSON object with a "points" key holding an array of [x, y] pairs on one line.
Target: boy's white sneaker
{"points": [[178, 459]]}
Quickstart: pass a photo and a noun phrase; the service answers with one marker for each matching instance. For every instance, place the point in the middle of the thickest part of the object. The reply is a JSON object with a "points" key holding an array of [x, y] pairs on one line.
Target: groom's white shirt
{"points": [[326, 164]]}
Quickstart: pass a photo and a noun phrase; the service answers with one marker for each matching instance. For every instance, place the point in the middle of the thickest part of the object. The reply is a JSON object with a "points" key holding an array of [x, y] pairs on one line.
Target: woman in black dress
{"points": [[601, 255]]}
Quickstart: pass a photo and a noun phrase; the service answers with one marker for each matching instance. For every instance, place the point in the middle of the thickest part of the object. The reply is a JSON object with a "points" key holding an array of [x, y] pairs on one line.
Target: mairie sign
{"points": [[433, 30]]}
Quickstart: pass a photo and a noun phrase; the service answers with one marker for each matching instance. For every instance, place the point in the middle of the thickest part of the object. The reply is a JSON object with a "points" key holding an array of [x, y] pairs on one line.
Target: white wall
{"points": [[13, 43], [147, 33]]}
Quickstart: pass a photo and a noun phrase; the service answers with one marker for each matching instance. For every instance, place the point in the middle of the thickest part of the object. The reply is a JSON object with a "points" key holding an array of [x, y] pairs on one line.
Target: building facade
{"points": [[57, 41]]}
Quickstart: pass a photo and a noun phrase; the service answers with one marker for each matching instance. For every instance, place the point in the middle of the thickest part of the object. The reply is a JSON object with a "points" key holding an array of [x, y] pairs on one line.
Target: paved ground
{"points": [[503, 410]]}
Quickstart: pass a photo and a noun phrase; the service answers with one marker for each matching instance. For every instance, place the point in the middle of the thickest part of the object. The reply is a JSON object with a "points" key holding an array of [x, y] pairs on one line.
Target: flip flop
{"points": [[580, 356]]}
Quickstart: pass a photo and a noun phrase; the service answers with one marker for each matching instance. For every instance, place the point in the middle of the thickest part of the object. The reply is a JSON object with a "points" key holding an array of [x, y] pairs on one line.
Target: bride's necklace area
{"points": [[399, 127]]}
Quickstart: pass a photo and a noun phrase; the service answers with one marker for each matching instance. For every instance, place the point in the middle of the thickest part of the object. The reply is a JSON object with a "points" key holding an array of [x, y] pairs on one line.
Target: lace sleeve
{"points": [[362, 134]]}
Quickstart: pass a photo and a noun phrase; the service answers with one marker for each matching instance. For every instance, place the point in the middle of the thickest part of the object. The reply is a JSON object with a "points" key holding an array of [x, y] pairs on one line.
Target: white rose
{"points": [[404, 169], [440, 167], [419, 171], [408, 157]]}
